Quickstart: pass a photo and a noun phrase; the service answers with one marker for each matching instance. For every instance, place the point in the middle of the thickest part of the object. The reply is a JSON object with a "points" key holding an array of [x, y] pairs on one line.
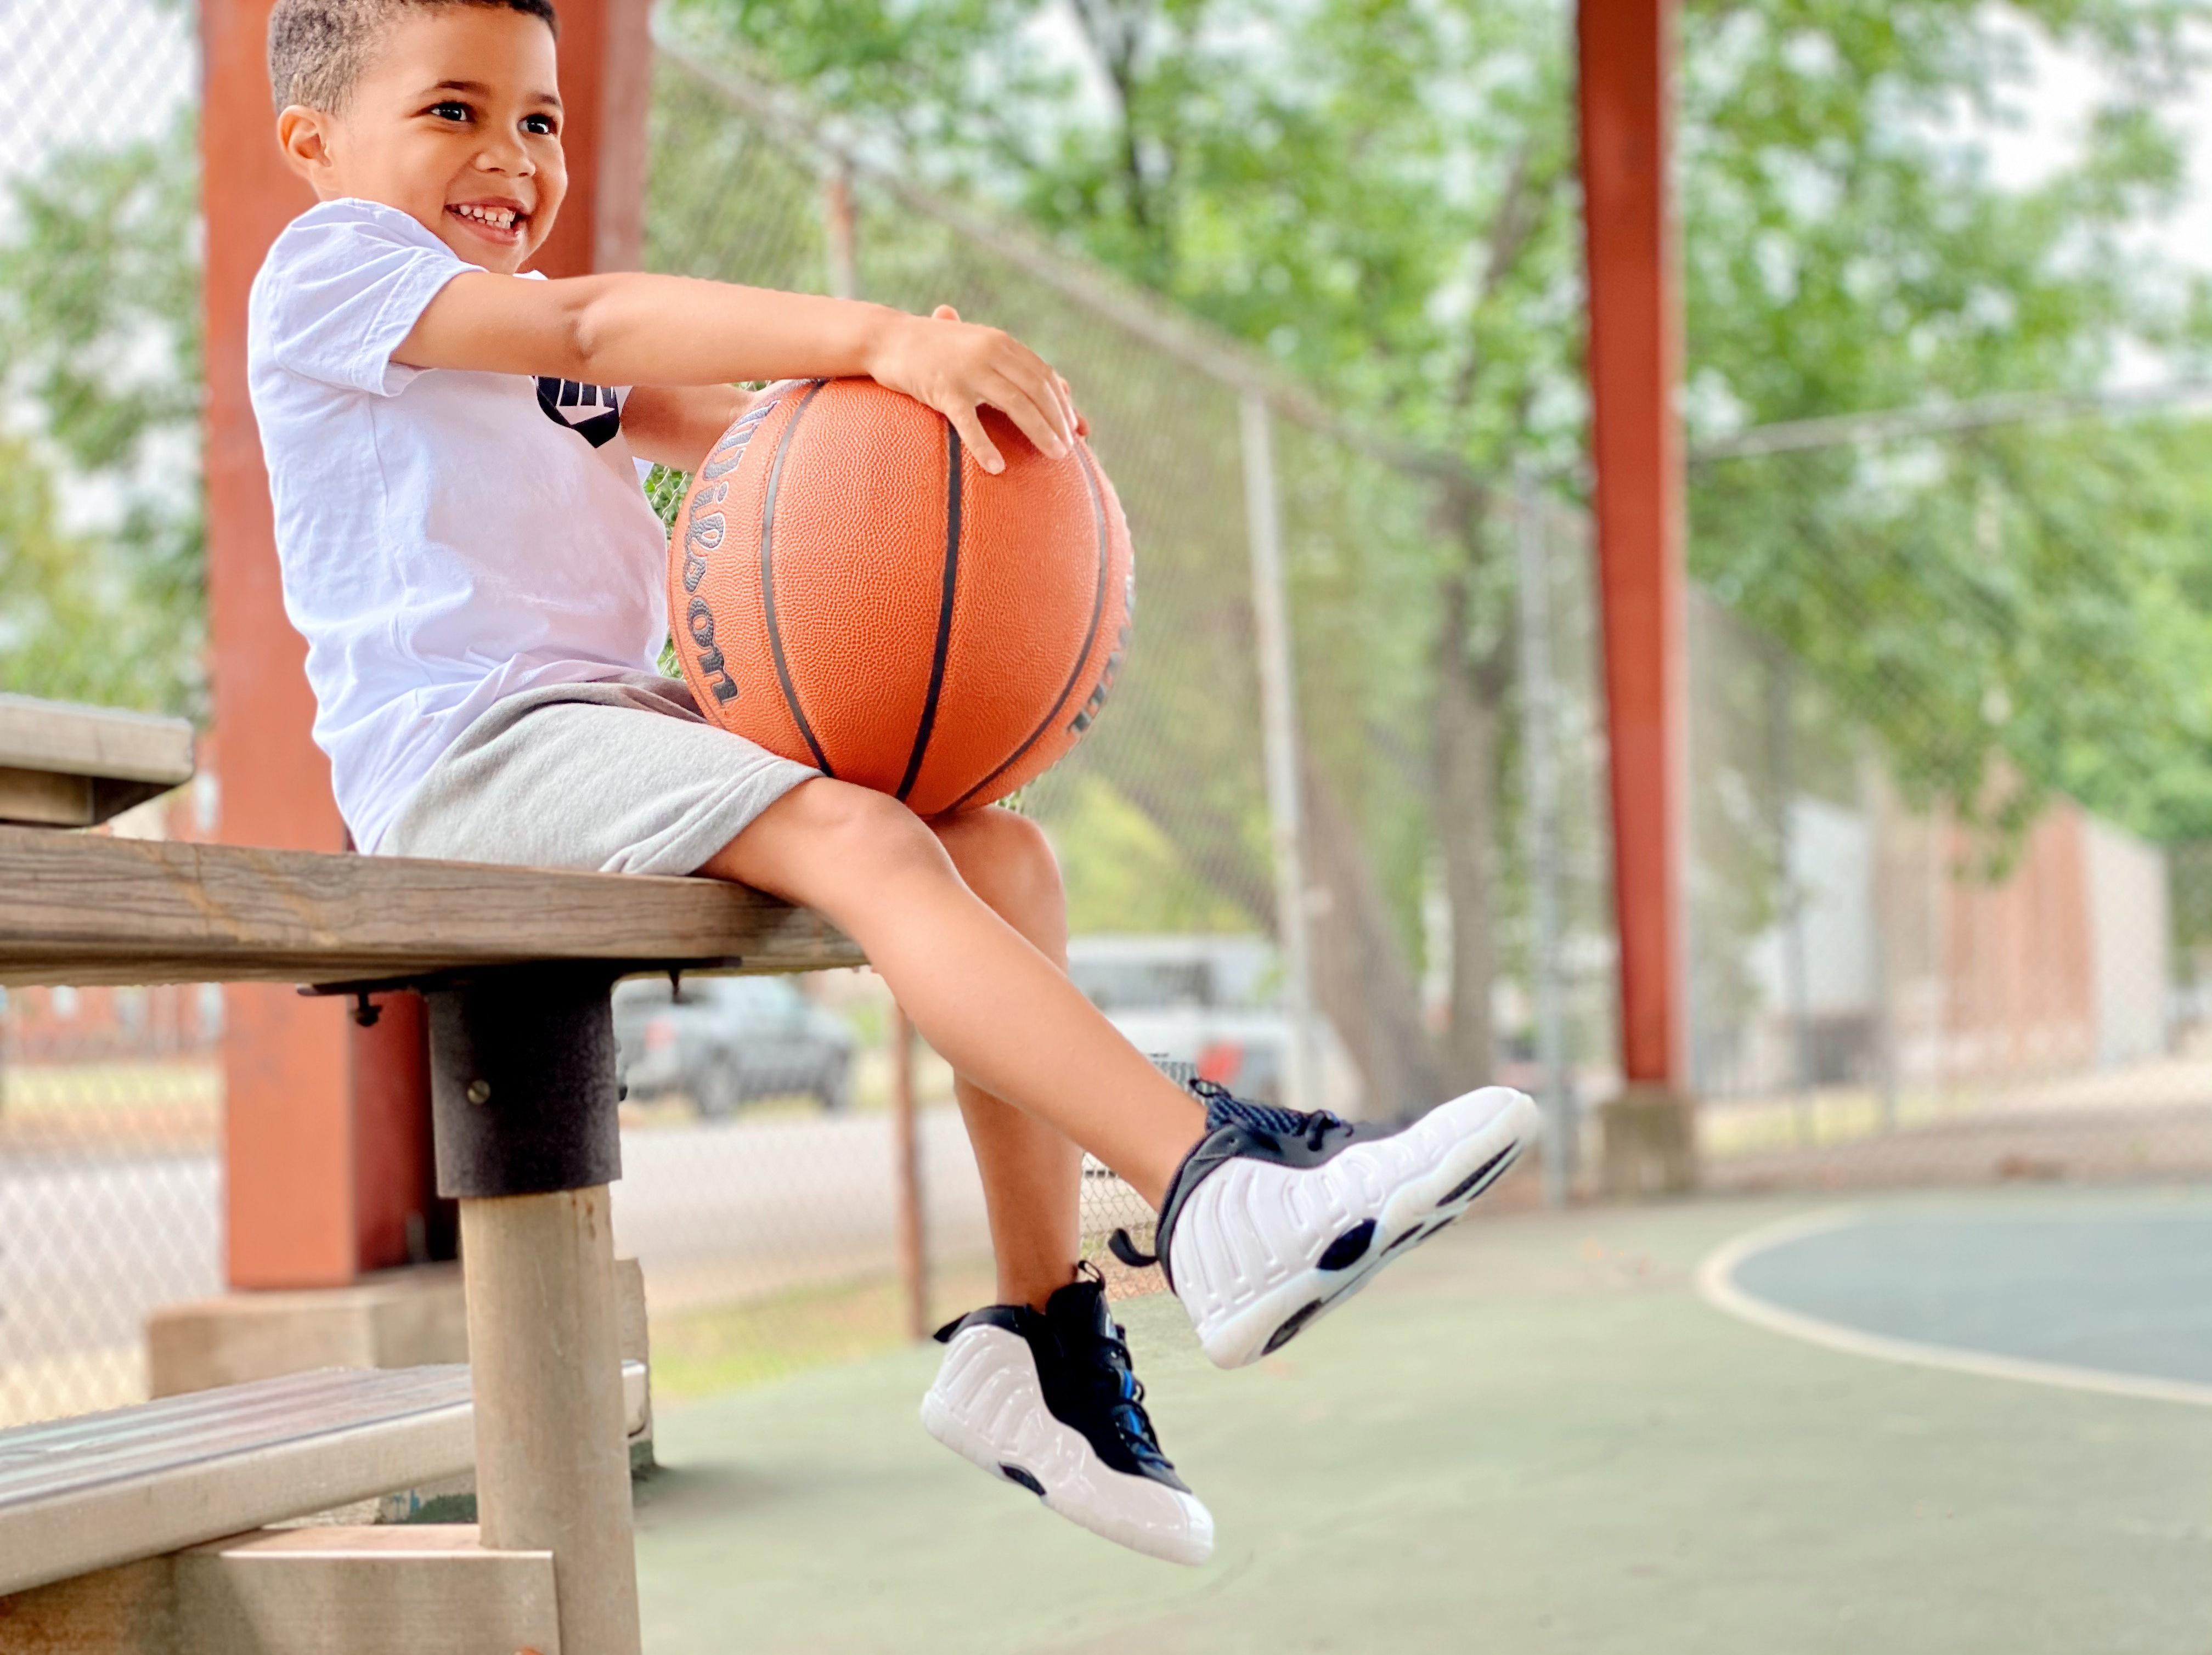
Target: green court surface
{"points": [[1538, 1434], [2107, 1286]]}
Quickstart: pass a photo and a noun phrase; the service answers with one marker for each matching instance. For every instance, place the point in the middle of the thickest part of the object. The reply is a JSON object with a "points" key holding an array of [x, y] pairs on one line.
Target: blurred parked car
{"points": [[726, 1040], [1209, 1001]]}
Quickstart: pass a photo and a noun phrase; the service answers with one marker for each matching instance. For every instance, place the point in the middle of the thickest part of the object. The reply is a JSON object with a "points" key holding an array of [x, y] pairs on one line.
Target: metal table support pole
{"points": [[1541, 831], [909, 1212], [841, 235], [523, 1096], [1279, 708]]}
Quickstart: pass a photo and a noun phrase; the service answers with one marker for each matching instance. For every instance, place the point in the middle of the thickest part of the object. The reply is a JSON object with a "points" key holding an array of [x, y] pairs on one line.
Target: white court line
{"points": [[1716, 1285]]}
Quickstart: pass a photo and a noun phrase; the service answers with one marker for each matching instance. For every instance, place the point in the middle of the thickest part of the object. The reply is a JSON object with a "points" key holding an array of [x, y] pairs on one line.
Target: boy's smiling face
{"points": [[456, 122]]}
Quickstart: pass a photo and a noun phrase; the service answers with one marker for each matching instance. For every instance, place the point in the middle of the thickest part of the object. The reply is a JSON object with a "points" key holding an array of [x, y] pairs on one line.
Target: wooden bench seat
{"points": [[81, 909], [89, 1493]]}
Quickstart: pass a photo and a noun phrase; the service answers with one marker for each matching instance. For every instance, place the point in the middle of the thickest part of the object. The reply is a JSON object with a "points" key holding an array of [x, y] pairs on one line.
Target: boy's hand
{"points": [[955, 368]]}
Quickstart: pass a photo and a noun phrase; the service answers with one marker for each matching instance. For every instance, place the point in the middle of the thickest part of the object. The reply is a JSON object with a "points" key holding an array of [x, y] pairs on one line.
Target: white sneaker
{"points": [[1048, 1401], [1276, 1217]]}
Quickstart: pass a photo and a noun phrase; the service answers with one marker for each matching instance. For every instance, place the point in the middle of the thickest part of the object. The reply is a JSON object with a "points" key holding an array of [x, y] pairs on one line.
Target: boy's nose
{"points": [[508, 156]]}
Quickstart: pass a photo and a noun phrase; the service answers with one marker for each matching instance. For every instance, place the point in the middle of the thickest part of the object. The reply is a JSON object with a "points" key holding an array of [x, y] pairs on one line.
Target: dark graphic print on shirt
{"points": [[590, 411]]}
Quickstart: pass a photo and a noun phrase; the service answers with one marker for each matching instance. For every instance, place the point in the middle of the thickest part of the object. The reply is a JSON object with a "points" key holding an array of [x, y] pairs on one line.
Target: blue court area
{"points": [[2121, 1285], [1539, 1435]]}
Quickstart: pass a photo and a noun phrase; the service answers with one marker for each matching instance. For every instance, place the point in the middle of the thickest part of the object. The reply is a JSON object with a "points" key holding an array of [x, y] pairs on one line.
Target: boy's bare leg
{"points": [[1032, 1172], [1000, 1011], [1001, 1390]]}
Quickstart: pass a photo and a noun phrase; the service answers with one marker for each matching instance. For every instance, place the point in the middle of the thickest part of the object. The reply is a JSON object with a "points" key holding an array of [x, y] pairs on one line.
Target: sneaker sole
{"points": [[1412, 1213]]}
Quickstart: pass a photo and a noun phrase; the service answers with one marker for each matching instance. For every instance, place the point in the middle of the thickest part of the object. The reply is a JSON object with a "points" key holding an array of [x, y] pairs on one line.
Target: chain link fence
{"points": [[1943, 898], [110, 1187], [110, 1099]]}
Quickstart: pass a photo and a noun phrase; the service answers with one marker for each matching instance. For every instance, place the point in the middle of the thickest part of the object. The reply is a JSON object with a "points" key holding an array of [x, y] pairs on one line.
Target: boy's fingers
{"points": [[1016, 365], [966, 422], [1076, 423], [1042, 386], [1045, 388], [1030, 415], [945, 313]]}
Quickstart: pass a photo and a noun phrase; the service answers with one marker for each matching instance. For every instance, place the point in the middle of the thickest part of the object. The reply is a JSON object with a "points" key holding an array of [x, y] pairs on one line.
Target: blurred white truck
{"points": [[1214, 1002]]}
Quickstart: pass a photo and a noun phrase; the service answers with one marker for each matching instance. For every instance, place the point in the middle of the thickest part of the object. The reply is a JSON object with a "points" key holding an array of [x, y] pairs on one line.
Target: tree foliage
{"points": [[99, 340], [2012, 611]]}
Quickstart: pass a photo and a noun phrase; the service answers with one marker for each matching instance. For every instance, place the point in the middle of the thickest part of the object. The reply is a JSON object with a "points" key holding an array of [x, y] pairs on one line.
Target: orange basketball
{"points": [[849, 588]]}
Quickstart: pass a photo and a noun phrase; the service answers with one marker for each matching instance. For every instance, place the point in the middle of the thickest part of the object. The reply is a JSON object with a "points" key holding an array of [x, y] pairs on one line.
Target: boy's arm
{"points": [[630, 328], [675, 424]]}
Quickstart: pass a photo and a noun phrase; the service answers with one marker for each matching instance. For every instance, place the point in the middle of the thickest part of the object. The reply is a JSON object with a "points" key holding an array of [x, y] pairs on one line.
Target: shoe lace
{"points": [[1224, 1108], [1112, 1371]]}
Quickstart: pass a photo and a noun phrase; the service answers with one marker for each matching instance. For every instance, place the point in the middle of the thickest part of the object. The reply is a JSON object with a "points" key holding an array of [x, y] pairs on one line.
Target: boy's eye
{"points": [[451, 110], [545, 124]]}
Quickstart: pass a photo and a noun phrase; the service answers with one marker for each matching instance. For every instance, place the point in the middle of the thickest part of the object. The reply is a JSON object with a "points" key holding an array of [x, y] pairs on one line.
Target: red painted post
{"points": [[288, 1128], [323, 1161], [606, 88], [1635, 365]]}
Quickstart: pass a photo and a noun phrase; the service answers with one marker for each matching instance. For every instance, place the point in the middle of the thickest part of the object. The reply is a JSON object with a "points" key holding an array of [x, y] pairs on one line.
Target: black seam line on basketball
{"points": [[1090, 636], [944, 611], [767, 580]]}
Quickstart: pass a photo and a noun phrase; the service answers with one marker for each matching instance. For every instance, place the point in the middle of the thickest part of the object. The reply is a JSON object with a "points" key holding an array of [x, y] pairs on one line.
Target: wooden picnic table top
{"points": [[66, 765], [83, 908]]}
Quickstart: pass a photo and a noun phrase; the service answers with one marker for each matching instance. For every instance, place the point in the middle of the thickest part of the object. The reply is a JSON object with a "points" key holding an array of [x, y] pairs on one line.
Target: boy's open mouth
{"points": [[498, 222]]}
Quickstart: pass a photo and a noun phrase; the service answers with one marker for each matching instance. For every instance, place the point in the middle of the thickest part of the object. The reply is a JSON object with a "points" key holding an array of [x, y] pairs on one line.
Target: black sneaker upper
{"points": [[1083, 1368], [1236, 1127]]}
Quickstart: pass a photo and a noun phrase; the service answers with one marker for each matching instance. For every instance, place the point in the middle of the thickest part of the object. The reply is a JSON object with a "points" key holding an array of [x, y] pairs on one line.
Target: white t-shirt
{"points": [[446, 539]]}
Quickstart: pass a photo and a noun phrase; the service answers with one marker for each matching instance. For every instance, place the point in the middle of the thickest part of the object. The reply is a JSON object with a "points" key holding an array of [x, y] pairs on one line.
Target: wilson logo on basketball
{"points": [[706, 527], [1104, 687]]}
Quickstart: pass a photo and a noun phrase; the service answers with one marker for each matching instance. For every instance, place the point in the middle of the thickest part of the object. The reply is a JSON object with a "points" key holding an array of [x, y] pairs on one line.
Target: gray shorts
{"points": [[622, 776]]}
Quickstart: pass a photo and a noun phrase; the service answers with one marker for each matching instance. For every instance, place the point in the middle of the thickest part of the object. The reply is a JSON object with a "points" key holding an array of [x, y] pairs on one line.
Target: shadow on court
{"points": [[1536, 1434]]}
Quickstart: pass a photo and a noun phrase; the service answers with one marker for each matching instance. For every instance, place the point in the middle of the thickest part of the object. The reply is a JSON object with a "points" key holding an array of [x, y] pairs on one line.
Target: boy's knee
{"points": [[866, 830], [1006, 859]]}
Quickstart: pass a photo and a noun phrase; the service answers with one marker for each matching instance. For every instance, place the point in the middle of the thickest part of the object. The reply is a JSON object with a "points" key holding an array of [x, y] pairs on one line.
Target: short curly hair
{"points": [[319, 49]]}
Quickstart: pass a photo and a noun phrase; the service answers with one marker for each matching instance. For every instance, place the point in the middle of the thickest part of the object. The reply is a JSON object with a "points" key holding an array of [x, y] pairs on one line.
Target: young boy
{"points": [[464, 545]]}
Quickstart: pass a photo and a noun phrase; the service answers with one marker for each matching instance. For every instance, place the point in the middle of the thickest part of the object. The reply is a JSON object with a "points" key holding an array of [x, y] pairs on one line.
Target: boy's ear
{"points": [[303, 134]]}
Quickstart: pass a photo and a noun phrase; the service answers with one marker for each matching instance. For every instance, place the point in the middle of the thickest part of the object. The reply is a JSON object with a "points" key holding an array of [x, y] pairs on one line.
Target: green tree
{"points": [[100, 335], [2022, 594]]}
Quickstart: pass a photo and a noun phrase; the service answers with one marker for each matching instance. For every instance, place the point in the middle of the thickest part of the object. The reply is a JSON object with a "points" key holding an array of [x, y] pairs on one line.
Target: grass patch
{"points": [[701, 1353], [1823, 1119], [40, 1089], [157, 1107]]}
